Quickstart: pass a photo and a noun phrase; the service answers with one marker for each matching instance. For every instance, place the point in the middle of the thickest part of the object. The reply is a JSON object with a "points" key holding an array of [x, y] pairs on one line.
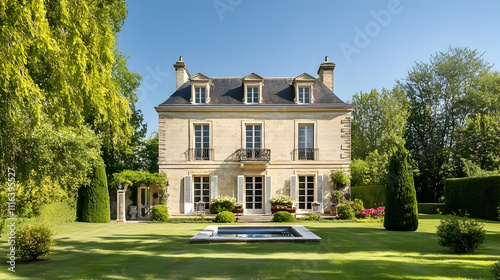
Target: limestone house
{"points": [[253, 138]]}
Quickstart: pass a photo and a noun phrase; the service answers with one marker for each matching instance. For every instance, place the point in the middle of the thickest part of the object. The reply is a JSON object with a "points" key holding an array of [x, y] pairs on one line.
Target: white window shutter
{"points": [[241, 189], [267, 195], [214, 191], [293, 188], [188, 205], [319, 192]]}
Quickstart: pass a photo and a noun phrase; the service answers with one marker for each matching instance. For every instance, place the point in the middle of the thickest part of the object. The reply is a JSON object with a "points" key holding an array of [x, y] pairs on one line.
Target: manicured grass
{"points": [[348, 251]]}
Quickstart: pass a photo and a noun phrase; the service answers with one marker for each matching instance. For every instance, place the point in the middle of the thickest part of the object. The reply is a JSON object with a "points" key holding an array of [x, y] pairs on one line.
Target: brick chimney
{"points": [[325, 73], [181, 73]]}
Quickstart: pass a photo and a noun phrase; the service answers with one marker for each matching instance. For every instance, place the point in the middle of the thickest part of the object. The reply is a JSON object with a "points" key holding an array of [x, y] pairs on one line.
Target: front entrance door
{"points": [[254, 198], [306, 192], [142, 202]]}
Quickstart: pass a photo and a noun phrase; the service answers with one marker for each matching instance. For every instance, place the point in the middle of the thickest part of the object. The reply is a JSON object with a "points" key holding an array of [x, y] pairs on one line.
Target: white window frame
{"points": [[248, 85], [198, 95], [302, 95], [253, 195], [253, 99], [201, 195], [306, 189]]}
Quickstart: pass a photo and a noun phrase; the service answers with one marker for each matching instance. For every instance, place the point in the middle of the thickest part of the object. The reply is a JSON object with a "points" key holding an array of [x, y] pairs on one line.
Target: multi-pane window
{"points": [[304, 95], [253, 193], [201, 142], [252, 95], [306, 192], [253, 141], [200, 95], [253, 136], [202, 190], [306, 142]]}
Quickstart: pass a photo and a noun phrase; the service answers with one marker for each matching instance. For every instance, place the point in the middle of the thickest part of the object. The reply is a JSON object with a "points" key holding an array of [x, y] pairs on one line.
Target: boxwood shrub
{"points": [[346, 212], [283, 216], [461, 235], [477, 196], [159, 213], [34, 241], [225, 217], [372, 196]]}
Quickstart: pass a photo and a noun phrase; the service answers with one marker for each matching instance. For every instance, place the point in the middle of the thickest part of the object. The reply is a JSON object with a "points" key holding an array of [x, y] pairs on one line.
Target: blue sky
{"points": [[373, 43]]}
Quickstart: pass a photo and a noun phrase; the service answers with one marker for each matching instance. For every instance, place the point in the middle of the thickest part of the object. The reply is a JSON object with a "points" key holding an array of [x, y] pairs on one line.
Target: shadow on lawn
{"points": [[90, 264], [382, 255]]}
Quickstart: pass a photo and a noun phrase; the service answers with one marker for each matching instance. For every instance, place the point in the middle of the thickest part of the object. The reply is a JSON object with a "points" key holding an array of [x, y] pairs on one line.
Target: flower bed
{"points": [[373, 213]]}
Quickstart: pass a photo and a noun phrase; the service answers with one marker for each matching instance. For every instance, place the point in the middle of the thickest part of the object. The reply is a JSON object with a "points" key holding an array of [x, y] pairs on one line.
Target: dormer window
{"points": [[304, 95], [200, 89], [252, 95], [303, 85], [200, 95], [252, 86]]}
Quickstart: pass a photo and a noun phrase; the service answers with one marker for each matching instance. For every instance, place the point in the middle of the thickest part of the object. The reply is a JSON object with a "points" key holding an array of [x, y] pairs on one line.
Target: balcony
{"points": [[200, 154], [253, 155], [306, 154]]}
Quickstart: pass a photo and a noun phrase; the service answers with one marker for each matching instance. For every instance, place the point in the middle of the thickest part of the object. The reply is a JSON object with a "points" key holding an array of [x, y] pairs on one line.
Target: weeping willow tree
{"points": [[60, 100]]}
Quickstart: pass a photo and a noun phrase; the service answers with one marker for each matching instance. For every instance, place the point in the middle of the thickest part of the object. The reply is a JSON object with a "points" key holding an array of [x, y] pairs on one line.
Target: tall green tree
{"points": [[57, 65], [401, 212], [479, 142], [378, 121], [438, 92]]}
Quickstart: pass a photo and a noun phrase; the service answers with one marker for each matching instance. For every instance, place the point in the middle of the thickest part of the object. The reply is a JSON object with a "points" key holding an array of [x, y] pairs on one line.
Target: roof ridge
{"points": [[243, 77]]}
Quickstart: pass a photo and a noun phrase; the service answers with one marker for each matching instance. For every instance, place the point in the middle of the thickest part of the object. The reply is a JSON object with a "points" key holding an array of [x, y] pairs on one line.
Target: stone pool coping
{"points": [[304, 235]]}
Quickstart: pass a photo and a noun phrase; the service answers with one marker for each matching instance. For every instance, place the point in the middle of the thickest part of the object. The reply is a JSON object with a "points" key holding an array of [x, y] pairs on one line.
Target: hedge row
{"points": [[430, 208], [478, 196], [372, 196], [57, 213]]}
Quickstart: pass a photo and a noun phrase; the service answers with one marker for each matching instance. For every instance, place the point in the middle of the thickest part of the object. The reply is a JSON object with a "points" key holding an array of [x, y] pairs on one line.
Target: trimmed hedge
{"points": [[430, 208], [283, 217], [159, 213], [225, 217], [57, 213], [477, 196], [95, 208], [372, 196]]}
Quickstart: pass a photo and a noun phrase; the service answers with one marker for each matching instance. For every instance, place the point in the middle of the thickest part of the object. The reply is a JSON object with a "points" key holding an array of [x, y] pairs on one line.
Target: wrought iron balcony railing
{"points": [[200, 154], [253, 155], [306, 154]]}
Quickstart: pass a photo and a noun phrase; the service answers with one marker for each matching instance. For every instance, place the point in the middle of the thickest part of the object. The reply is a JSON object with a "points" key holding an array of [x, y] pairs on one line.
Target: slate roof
{"points": [[275, 91]]}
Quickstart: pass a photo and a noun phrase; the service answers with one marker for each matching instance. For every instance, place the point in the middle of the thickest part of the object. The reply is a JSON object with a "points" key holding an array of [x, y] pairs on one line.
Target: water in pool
{"points": [[254, 232]]}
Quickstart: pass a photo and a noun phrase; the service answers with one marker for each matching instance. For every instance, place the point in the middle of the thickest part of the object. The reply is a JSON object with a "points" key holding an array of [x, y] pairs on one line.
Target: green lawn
{"points": [[348, 251]]}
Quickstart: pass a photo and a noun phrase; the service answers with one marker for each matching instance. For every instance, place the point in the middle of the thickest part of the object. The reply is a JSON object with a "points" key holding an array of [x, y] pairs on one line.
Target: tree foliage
{"points": [[65, 94], [440, 93], [378, 121], [371, 171], [401, 212]]}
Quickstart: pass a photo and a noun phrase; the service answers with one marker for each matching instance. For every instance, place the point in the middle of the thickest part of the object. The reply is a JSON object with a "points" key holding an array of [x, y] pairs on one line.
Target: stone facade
{"points": [[279, 125]]}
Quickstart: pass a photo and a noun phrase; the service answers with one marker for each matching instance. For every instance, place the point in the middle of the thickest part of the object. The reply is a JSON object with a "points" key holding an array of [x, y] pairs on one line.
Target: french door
{"points": [[253, 138], [254, 195], [306, 192], [202, 190]]}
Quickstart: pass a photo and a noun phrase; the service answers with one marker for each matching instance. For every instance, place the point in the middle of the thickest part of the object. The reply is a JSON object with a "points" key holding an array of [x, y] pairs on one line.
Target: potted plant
{"points": [[336, 199], [282, 203], [341, 178], [238, 208]]}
